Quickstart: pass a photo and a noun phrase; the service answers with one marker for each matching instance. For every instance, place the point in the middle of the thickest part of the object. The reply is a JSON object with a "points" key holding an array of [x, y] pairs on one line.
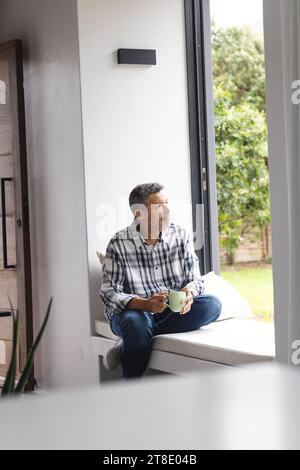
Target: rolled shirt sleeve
{"points": [[193, 281], [111, 292]]}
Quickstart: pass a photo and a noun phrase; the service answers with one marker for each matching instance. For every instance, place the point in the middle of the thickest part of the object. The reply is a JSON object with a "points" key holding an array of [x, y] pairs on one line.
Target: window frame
{"points": [[201, 130]]}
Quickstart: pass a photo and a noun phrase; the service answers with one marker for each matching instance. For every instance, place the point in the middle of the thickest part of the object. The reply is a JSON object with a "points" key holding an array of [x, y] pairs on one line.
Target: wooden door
{"points": [[15, 269]]}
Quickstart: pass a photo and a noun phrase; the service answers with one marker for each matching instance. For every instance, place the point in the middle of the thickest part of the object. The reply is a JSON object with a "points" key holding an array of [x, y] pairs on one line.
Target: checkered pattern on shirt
{"points": [[132, 268]]}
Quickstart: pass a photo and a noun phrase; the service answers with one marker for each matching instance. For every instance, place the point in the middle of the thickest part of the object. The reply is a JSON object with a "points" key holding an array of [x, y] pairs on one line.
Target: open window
{"points": [[228, 145]]}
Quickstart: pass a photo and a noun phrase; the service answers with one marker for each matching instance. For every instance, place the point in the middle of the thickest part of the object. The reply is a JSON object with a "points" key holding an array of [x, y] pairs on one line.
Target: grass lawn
{"points": [[256, 285]]}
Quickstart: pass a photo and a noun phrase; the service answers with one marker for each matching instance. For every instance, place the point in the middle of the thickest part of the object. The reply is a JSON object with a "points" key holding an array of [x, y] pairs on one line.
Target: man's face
{"points": [[158, 213]]}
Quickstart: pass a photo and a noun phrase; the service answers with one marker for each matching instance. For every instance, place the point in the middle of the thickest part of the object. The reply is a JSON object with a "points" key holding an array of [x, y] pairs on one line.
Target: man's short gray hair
{"points": [[140, 194]]}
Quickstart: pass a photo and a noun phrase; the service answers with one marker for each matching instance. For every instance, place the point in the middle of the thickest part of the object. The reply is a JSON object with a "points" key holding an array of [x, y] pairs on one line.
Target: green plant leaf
{"points": [[29, 364], [8, 386]]}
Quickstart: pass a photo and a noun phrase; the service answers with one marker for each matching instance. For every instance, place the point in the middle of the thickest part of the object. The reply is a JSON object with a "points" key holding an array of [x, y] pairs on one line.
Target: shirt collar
{"points": [[139, 240]]}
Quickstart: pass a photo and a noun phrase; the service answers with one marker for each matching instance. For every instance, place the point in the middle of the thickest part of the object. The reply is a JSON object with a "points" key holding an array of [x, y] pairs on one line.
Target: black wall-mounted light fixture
{"points": [[137, 56]]}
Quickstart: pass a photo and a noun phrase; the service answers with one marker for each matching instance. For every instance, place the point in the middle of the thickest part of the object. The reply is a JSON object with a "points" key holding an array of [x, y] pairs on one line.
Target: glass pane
{"points": [[2, 92], [8, 278], [5, 124], [242, 151]]}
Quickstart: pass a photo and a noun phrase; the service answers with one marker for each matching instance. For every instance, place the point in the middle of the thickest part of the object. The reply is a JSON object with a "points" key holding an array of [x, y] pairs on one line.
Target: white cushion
{"points": [[100, 256], [231, 342], [234, 305]]}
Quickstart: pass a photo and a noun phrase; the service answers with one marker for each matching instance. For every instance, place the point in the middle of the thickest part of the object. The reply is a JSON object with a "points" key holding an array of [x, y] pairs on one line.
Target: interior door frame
{"points": [[13, 52], [201, 130]]}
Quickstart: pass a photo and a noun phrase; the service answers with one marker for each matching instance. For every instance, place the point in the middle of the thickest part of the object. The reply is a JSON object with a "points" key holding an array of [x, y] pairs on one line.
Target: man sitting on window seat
{"points": [[143, 262]]}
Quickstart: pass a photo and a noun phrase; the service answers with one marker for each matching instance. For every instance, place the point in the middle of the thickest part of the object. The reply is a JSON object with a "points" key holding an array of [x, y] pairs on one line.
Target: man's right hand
{"points": [[157, 302]]}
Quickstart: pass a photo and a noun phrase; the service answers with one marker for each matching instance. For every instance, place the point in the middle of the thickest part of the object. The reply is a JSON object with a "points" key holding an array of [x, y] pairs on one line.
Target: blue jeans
{"points": [[137, 329]]}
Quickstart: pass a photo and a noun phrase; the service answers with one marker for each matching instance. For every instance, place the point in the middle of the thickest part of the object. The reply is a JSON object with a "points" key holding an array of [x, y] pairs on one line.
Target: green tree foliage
{"points": [[239, 65], [241, 134]]}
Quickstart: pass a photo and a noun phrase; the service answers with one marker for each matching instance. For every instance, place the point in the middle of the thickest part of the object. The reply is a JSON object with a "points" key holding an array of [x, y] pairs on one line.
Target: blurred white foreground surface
{"points": [[256, 407]]}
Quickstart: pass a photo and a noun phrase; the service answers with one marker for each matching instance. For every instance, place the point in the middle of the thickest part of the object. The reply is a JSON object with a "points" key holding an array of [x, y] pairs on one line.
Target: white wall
{"points": [[135, 130], [56, 181], [135, 118]]}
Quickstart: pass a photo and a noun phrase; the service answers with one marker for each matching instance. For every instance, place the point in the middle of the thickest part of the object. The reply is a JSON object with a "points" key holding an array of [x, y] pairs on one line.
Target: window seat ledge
{"points": [[232, 342]]}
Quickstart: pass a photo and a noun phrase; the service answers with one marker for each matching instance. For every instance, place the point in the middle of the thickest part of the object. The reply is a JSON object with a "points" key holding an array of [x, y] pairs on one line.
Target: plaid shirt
{"points": [[132, 268]]}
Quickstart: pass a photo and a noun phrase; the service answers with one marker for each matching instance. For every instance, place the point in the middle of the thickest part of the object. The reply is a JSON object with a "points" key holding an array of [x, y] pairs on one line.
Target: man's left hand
{"points": [[188, 301]]}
